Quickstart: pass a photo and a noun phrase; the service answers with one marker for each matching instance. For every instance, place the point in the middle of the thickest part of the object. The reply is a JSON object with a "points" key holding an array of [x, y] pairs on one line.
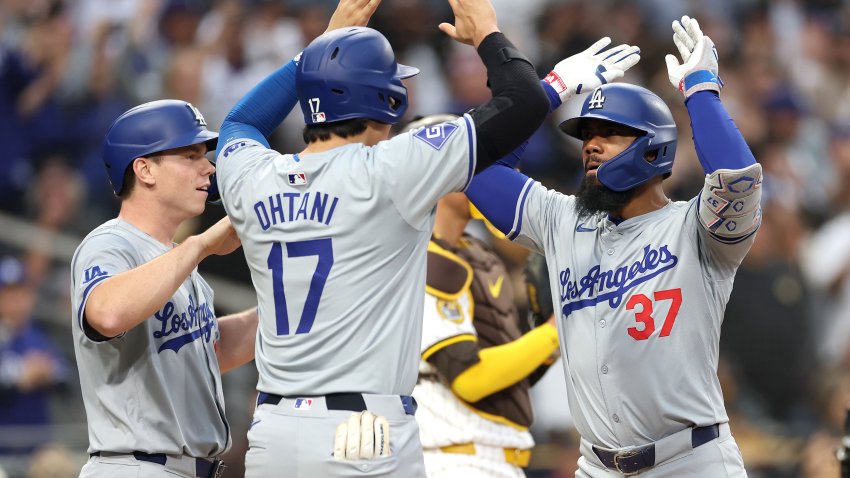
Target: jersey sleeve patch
{"points": [[233, 147], [450, 310], [436, 136], [92, 277]]}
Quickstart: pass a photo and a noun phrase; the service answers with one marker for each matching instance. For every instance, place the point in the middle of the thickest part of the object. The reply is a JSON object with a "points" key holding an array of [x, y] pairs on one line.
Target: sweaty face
{"points": [[183, 179], [601, 141]]}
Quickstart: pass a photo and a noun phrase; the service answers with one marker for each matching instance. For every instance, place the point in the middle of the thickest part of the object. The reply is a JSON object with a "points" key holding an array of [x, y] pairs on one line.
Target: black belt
{"points": [[204, 468], [341, 401], [639, 459]]}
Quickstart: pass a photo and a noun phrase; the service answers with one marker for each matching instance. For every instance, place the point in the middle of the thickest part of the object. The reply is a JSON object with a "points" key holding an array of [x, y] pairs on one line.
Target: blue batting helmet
{"points": [[642, 110], [151, 128], [351, 73]]}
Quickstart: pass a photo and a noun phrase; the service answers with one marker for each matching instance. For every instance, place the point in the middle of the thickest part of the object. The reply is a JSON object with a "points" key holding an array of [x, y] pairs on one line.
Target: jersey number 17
{"points": [[316, 247]]}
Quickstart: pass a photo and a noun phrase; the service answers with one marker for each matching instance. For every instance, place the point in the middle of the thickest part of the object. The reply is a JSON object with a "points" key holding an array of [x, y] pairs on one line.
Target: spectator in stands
{"points": [[30, 365]]}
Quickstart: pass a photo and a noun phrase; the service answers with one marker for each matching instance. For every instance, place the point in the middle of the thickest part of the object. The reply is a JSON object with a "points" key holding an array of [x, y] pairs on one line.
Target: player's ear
{"points": [[142, 167]]}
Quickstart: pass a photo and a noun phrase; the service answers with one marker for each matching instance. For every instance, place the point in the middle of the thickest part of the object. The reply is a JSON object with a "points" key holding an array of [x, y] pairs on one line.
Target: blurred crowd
{"points": [[68, 68]]}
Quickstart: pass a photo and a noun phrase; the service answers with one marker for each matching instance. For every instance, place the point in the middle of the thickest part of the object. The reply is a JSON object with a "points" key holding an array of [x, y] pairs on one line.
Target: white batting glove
{"points": [[592, 68], [698, 72], [363, 436]]}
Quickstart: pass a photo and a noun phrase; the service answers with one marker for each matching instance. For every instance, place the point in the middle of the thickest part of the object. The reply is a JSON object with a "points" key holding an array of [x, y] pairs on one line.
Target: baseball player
{"points": [[336, 238], [149, 347], [479, 358], [641, 282]]}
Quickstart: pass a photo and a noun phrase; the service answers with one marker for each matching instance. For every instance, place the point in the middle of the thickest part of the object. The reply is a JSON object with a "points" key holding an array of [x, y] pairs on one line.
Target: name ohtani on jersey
{"points": [[611, 285], [289, 207]]}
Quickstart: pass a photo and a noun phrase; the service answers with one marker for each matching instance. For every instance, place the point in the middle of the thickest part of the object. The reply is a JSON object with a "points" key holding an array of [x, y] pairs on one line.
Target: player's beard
{"points": [[594, 197]]}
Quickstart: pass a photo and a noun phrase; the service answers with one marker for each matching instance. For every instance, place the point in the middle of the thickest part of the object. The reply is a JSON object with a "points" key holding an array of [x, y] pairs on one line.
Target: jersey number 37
{"points": [[642, 305]]}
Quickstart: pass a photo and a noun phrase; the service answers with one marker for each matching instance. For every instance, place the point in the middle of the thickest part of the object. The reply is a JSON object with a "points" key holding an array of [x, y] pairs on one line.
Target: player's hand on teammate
{"points": [[698, 70], [220, 239], [362, 437], [592, 68], [474, 20], [352, 13]]}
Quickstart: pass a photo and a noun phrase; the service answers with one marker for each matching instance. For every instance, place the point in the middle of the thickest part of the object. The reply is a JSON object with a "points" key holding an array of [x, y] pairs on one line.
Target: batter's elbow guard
{"points": [[730, 203]]}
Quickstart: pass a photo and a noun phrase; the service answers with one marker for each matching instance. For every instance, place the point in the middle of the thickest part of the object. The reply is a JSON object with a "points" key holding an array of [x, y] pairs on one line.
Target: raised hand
{"points": [[592, 68], [474, 20], [352, 13], [698, 70]]}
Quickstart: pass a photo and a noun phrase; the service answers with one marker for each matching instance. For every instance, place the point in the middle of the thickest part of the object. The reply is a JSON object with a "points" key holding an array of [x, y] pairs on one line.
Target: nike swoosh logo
{"points": [[254, 423], [581, 228], [496, 289]]}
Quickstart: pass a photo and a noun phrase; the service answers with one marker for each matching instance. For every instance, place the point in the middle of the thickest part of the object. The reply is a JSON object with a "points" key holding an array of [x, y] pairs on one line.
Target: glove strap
{"points": [[700, 81]]}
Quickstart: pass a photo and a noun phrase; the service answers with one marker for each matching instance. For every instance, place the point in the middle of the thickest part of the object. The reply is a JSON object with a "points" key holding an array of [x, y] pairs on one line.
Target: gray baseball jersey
{"points": [[157, 387], [641, 303], [336, 243]]}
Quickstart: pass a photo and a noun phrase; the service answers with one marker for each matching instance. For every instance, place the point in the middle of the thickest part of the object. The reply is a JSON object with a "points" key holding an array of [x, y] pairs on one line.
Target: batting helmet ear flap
{"points": [[630, 168]]}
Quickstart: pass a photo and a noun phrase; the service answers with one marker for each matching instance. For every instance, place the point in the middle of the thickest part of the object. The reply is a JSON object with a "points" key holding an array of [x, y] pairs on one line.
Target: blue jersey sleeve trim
{"points": [[263, 108], [240, 131], [719, 144], [470, 136], [520, 209], [85, 298], [495, 192]]}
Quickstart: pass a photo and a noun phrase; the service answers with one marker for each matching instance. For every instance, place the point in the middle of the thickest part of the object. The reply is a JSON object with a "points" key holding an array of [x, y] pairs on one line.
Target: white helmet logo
{"points": [[597, 100], [198, 116], [317, 114]]}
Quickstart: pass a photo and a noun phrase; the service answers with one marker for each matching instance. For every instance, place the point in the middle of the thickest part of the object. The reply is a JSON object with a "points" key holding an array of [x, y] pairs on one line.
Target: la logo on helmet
{"points": [[597, 100], [198, 116]]}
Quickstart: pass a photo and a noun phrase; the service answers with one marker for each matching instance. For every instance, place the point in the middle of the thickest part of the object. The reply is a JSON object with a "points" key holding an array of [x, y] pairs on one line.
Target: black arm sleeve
{"points": [[455, 359], [518, 106]]}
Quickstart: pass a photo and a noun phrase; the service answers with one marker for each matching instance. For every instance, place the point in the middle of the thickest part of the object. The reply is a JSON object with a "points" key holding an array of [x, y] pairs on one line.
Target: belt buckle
{"points": [[218, 468], [626, 454]]}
